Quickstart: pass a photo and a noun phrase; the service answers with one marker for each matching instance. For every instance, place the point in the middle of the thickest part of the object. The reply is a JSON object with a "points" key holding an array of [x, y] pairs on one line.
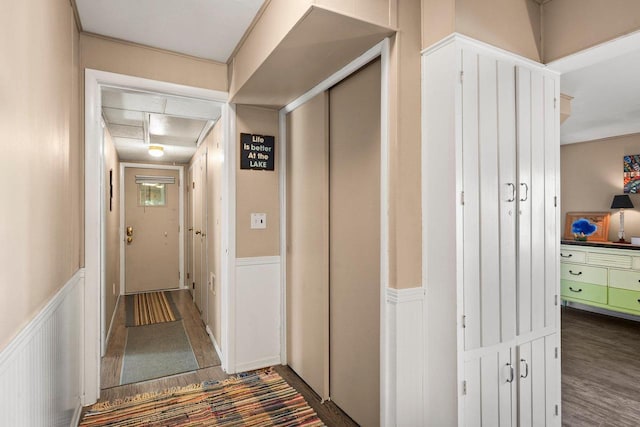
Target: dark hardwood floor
{"points": [[600, 370]]}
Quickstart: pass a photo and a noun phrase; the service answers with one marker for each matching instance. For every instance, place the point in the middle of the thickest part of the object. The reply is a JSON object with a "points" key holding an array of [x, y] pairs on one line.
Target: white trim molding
{"points": [[406, 355], [94, 206], [215, 343], [41, 368]]}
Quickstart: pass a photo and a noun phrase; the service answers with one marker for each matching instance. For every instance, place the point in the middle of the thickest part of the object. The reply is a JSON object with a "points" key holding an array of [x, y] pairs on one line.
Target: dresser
{"points": [[603, 275]]}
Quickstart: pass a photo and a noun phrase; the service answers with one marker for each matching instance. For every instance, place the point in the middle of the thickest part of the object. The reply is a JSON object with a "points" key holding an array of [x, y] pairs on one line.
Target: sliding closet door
{"points": [[308, 243], [354, 212]]}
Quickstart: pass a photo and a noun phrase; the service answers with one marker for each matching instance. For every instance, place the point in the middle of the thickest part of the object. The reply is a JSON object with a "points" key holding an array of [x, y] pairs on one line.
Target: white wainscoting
{"points": [[257, 313], [406, 358], [41, 369]]}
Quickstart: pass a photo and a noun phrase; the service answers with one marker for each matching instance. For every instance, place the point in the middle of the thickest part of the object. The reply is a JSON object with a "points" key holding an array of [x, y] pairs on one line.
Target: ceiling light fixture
{"points": [[156, 151]]}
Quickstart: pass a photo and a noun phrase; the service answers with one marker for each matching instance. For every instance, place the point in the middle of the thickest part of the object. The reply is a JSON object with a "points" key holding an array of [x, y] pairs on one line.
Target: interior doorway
{"points": [[99, 183]]}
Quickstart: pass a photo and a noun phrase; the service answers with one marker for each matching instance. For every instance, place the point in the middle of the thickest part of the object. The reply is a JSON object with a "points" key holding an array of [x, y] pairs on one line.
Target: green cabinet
{"points": [[606, 277]]}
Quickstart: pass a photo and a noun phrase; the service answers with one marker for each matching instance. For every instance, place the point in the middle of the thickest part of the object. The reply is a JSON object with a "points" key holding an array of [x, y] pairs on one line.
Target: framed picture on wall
{"points": [[631, 173], [587, 226]]}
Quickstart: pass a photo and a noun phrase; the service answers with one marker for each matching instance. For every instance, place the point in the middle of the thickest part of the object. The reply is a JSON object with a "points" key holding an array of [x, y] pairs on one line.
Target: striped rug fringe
{"points": [[256, 399], [151, 308]]}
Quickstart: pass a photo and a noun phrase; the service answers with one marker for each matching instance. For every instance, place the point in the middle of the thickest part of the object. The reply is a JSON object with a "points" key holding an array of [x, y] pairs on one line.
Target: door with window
{"points": [[152, 229]]}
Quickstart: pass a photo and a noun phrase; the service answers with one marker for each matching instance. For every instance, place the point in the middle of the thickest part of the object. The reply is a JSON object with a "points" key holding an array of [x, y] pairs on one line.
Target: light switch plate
{"points": [[258, 220]]}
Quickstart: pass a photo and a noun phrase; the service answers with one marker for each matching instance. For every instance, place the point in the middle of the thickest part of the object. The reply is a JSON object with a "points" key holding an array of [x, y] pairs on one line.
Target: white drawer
{"points": [[570, 255], [583, 273], [624, 279]]}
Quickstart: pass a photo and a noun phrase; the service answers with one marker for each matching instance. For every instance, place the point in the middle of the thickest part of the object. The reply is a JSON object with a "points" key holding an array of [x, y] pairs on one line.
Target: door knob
{"points": [[129, 239], [198, 232], [129, 231]]}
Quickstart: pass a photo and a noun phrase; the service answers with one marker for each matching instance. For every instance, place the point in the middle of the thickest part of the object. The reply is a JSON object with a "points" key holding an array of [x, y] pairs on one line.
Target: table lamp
{"points": [[621, 202]]}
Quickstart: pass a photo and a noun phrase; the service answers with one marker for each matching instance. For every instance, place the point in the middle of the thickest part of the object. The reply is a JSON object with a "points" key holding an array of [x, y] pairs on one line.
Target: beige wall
{"points": [[513, 25], [105, 54], [257, 191], [112, 228], [277, 19], [405, 231], [381, 12], [40, 222], [574, 25], [591, 174]]}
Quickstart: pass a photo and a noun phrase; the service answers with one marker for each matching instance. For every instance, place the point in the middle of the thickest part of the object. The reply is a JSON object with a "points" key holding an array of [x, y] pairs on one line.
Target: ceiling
{"points": [[208, 29], [606, 99], [138, 119]]}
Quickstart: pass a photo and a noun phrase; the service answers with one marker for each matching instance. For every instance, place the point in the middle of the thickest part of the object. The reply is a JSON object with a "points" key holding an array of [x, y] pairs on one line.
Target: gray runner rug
{"points": [[155, 351]]}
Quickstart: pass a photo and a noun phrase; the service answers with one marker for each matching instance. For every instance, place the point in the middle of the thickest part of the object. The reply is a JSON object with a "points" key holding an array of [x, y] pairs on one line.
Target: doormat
{"points": [[150, 308], [156, 351], [260, 398]]}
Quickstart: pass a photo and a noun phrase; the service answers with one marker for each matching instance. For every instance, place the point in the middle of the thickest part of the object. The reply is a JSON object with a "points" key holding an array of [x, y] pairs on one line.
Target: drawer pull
{"points": [[575, 274], [566, 256], [639, 301], [580, 290]]}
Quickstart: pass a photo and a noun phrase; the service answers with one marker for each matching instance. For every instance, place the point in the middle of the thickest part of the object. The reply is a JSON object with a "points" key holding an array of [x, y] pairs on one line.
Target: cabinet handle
{"points": [[570, 255], [526, 369], [639, 301], [513, 191], [575, 274], [510, 379], [526, 191], [573, 290]]}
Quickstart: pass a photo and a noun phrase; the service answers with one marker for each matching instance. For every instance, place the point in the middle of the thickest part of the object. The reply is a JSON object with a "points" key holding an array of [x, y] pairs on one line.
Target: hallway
{"points": [[205, 354]]}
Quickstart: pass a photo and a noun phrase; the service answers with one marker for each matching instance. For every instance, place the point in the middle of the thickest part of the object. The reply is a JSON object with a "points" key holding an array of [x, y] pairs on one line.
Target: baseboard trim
{"points": [[215, 344], [258, 364], [603, 311], [75, 420], [113, 316]]}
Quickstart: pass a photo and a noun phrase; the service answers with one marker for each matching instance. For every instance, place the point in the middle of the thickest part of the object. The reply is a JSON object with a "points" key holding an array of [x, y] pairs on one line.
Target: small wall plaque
{"points": [[257, 152]]}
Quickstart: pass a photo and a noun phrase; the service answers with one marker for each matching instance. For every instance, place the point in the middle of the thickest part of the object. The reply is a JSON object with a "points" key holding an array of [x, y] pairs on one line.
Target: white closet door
{"points": [[354, 245], [551, 213], [489, 397], [537, 225], [490, 187], [523, 84], [536, 364]]}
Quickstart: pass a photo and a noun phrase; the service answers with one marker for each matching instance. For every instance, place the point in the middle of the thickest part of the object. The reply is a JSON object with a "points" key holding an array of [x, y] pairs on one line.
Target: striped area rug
{"points": [[150, 308], [260, 398]]}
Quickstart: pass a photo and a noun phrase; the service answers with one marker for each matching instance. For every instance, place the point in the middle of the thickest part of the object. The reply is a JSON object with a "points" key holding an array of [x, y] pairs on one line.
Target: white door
{"points": [[490, 211], [537, 154], [537, 379], [489, 390]]}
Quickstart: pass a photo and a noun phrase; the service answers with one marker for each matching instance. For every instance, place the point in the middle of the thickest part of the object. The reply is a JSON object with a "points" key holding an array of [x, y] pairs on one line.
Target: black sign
{"points": [[257, 152]]}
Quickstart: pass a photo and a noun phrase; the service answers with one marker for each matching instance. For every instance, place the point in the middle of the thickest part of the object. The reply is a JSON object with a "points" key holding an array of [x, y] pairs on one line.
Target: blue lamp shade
{"points": [[621, 202]]}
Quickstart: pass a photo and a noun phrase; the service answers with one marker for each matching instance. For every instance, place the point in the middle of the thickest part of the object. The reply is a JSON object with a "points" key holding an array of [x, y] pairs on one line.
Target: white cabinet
{"points": [[491, 162]]}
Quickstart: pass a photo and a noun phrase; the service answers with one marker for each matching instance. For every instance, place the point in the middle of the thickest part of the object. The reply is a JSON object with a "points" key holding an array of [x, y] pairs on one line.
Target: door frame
{"points": [[181, 219], [94, 219], [382, 51]]}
